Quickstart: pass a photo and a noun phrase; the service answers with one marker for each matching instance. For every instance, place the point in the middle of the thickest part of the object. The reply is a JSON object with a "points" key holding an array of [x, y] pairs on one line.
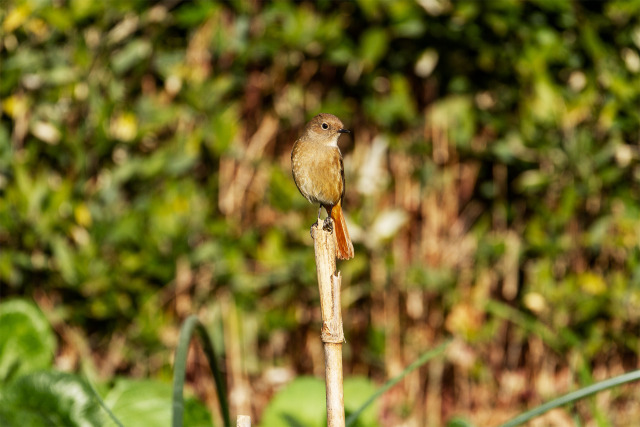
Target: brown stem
{"points": [[329, 281]]}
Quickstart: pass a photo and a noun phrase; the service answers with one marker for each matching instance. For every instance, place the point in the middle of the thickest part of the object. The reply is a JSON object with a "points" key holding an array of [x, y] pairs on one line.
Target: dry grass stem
{"points": [[329, 281]]}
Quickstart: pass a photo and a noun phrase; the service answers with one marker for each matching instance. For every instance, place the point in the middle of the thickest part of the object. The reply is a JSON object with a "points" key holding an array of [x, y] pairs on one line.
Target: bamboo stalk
{"points": [[329, 282]]}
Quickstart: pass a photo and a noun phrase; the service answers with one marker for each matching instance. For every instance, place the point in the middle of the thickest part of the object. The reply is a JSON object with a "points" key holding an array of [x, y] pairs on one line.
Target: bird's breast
{"points": [[317, 172]]}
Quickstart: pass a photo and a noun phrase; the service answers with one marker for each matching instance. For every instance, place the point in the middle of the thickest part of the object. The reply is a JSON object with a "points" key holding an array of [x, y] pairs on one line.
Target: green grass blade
{"points": [[180, 368], [221, 390], [101, 402], [412, 367], [573, 397], [179, 371], [525, 322]]}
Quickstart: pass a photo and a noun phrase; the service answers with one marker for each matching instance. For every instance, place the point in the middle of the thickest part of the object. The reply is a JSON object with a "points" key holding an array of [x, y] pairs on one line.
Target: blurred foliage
{"points": [[148, 402], [27, 342], [144, 176], [48, 398], [303, 403], [32, 393]]}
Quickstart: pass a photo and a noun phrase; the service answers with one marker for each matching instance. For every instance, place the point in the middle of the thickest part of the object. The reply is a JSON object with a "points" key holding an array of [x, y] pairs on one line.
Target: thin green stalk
{"points": [[180, 368], [415, 365], [573, 397], [557, 341], [101, 402]]}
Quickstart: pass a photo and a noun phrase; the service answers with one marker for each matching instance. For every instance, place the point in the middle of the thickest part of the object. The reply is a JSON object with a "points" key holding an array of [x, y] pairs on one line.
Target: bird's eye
{"points": [[325, 126]]}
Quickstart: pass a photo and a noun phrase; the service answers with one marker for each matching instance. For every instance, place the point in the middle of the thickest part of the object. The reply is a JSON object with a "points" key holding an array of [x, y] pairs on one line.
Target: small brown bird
{"points": [[316, 163]]}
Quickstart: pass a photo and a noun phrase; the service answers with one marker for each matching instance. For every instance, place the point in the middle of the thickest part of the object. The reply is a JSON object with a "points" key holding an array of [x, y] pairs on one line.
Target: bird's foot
{"points": [[328, 225]]}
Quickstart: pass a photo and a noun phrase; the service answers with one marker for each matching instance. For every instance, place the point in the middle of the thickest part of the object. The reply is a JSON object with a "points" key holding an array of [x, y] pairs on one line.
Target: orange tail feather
{"points": [[344, 245]]}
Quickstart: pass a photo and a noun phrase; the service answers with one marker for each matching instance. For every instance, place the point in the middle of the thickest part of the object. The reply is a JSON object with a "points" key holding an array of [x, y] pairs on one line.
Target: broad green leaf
{"points": [[27, 343], [49, 399], [148, 403], [303, 403], [357, 391]]}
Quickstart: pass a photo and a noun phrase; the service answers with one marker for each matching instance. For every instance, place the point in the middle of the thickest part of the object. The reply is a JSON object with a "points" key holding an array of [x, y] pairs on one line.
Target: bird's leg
{"points": [[328, 223], [317, 222]]}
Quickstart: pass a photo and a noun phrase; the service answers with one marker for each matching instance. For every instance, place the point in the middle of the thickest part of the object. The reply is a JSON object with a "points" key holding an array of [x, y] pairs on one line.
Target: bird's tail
{"points": [[344, 245]]}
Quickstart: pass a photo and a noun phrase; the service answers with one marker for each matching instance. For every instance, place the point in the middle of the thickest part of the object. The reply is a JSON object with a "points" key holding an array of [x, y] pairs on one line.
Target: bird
{"points": [[318, 171]]}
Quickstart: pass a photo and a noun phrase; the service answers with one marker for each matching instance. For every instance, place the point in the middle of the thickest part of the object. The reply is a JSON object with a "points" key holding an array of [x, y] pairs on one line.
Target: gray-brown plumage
{"points": [[316, 164]]}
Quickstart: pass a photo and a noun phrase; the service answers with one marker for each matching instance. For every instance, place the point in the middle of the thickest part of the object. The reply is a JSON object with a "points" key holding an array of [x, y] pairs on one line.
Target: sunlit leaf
{"points": [[27, 343], [148, 402], [49, 398]]}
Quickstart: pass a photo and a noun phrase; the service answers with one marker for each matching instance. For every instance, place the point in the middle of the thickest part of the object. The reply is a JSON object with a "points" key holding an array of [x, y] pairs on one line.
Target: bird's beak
{"points": [[344, 130]]}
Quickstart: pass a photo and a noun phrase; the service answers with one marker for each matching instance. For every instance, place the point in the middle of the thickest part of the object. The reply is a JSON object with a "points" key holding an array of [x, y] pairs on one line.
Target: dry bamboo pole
{"points": [[329, 281]]}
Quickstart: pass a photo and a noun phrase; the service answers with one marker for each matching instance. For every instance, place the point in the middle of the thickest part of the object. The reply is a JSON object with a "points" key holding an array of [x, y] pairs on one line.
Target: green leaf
{"points": [[140, 402], [531, 181], [356, 392], [131, 55], [148, 402], [64, 256], [49, 399], [373, 46], [301, 403], [27, 343]]}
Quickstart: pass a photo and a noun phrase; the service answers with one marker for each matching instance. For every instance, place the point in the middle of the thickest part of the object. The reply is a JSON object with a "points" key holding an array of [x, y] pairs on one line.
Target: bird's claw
{"points": [[328, 225]]}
